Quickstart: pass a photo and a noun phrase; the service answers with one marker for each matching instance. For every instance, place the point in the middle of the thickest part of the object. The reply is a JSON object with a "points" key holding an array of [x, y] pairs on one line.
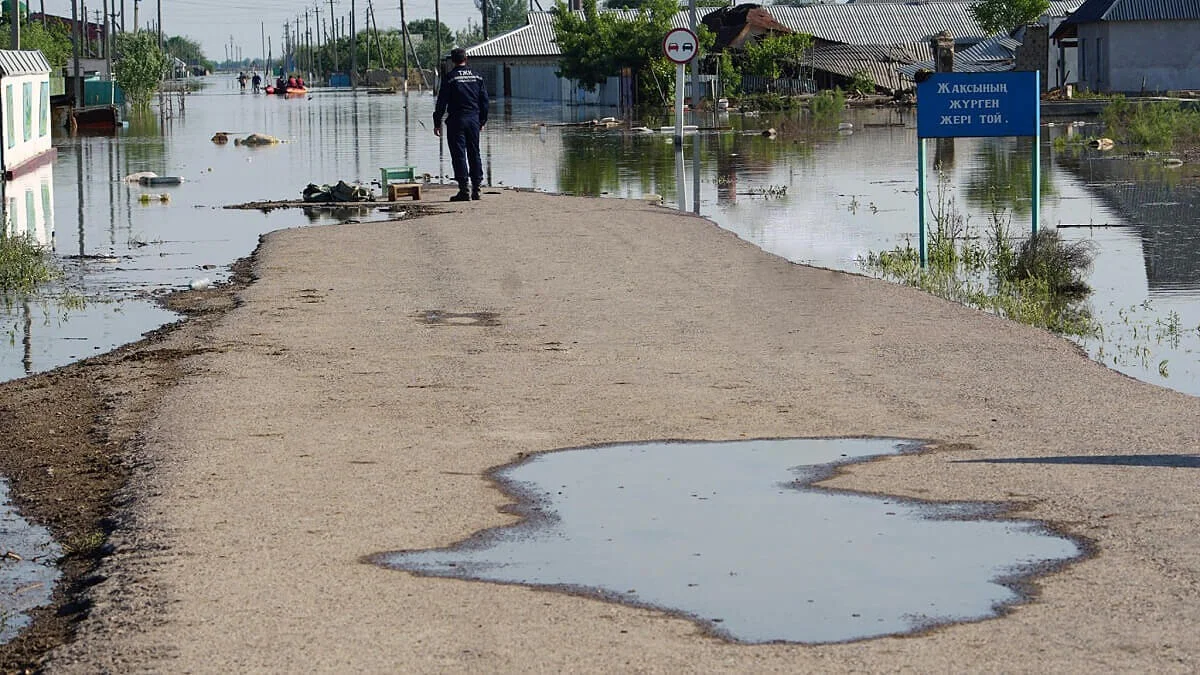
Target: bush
{"points": [[1061, 265], [861, 83]]}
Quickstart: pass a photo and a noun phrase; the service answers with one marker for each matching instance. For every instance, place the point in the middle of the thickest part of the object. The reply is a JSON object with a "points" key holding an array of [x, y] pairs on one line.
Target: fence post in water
{"points": [[921, 199]]}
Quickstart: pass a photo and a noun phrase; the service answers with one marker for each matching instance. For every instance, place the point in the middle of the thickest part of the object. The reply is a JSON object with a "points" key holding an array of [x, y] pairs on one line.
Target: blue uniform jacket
{"points": [[463, 96]]}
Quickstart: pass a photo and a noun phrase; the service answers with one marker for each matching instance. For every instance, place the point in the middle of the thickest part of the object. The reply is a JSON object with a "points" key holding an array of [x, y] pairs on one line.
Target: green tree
{"points": [[426, 49], [469, 36], [53, 40], [776, 56], [997, 16], [187, 50], [503, 15], [596, 46], [140, 66]]}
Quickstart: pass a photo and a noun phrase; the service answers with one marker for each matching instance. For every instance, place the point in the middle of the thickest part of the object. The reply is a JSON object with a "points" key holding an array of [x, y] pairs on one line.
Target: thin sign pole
{"points": [[921, 199], [680, 73], [680, 180], [1036, 188]]}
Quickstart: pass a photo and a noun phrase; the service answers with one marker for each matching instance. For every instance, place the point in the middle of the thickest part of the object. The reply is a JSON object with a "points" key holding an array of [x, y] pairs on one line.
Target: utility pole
{"points": [[262, 38], [404, 43], [136, 27], [122, 16], [75, 49], [15, 18], [378, 44], [104, 38], [160, 39], [437, 45], [353, 50], [333, 34], [317, 25], [485, 19]]}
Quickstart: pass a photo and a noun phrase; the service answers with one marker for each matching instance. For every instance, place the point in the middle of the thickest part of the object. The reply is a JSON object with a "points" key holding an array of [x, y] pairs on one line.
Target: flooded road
{"points": [[818, 197], [731, 536]]}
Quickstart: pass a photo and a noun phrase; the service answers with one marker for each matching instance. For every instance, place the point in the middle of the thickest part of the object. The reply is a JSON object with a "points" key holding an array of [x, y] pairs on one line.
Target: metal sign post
{"points": [[957, 105], [680, 46]]}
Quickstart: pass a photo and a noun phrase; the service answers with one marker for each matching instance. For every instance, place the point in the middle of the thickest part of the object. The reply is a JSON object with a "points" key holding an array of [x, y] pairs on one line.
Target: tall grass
{"points": [[1038, 281], [827, 105], [1154, 125], [24, 265]]}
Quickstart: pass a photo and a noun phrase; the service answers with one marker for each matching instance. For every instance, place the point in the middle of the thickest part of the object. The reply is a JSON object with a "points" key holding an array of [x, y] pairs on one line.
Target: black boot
{"points": [[475, 193], [462, 196]]}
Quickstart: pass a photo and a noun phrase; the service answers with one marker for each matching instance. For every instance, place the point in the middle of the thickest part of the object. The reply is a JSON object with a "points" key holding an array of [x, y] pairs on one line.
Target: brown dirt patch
{"points": [[66, 447]]}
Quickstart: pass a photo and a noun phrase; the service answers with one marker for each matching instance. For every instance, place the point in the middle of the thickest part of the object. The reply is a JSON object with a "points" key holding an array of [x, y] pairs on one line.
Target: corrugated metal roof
{"points": [[998, 48], [23, 62], [531, 40], [1063, 7], [880, 23], [996, 55], [880, 62], [1135, 10]]}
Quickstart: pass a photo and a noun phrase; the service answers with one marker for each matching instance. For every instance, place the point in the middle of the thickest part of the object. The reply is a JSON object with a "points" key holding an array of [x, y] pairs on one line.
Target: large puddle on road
{"points": [[734, 536], [27, 568]]}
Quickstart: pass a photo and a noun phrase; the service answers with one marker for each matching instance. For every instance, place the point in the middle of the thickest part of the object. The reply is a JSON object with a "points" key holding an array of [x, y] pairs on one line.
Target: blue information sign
{"points": [[953, 105]]}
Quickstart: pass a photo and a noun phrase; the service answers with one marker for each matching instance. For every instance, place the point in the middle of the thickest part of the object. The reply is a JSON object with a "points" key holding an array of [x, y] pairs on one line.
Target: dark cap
{"points": [[458, 55]]}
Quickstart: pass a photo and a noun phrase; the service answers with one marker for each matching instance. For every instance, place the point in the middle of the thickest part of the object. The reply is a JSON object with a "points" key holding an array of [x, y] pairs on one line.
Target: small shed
{"points": [[24, 112]]}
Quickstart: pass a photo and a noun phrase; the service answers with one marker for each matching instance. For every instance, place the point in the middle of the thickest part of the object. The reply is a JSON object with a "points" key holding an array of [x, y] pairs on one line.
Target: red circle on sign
{"points": [[680, 45]]}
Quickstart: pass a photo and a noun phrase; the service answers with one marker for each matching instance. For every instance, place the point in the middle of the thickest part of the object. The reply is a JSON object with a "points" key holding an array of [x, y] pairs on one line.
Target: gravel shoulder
{"points": [[353, 399]]}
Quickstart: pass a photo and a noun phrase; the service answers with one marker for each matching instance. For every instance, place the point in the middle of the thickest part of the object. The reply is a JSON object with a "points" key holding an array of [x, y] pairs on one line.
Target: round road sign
{"points": [[680, 45]]}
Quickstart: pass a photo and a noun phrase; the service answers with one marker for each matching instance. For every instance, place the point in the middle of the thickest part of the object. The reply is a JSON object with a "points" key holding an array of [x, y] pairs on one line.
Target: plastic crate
{"points": [[396, 174]]}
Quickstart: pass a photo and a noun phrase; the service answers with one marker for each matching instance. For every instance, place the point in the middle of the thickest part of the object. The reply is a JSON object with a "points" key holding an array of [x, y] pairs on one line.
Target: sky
{"points": [[212, 22]]}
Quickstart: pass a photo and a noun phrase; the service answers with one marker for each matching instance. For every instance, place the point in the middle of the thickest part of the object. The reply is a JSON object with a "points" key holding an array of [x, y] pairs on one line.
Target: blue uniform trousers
{"points": [[462, 134]]}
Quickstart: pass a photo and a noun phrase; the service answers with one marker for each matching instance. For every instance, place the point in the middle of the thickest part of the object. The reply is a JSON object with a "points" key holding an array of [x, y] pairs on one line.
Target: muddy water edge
{"points": [[69, 448]]}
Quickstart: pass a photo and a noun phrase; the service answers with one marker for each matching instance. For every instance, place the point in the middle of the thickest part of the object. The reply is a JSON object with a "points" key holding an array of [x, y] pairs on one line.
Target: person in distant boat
{"points": [[256, 82], [300, 82], [463, 99], [291, 83], [280, 83]]}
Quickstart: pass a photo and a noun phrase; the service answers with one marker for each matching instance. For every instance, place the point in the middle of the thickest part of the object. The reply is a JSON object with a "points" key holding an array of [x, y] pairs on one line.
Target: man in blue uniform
{"points": [[463, 100]]}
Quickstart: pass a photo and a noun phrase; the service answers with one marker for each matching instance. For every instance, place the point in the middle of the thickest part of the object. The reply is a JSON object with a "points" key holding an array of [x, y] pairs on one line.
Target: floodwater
{"points": [[731, 536], [818, 197], [27, 567], [822, 198]]}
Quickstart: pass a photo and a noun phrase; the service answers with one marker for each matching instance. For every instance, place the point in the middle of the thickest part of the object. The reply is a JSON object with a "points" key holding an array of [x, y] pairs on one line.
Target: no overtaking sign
{"points": [[680, 45]]}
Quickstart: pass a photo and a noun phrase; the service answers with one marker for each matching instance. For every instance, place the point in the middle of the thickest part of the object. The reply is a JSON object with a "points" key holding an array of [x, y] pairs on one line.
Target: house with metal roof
{"points": [[1136, 45], [25, 122]]}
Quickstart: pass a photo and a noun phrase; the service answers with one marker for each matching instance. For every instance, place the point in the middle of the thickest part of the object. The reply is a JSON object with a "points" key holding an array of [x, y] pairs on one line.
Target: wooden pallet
{"points": [[398, 190]]}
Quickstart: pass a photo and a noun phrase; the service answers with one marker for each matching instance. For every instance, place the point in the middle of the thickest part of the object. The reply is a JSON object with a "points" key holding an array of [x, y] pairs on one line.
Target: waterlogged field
{"points": [[812, 193]]}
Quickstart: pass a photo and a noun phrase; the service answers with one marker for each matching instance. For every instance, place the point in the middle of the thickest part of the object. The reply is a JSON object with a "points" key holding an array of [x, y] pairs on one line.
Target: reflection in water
{"points": [[1163, 204], [28, 201], [732, 536], [28, 210], [1002, 175], [28, 571]]}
